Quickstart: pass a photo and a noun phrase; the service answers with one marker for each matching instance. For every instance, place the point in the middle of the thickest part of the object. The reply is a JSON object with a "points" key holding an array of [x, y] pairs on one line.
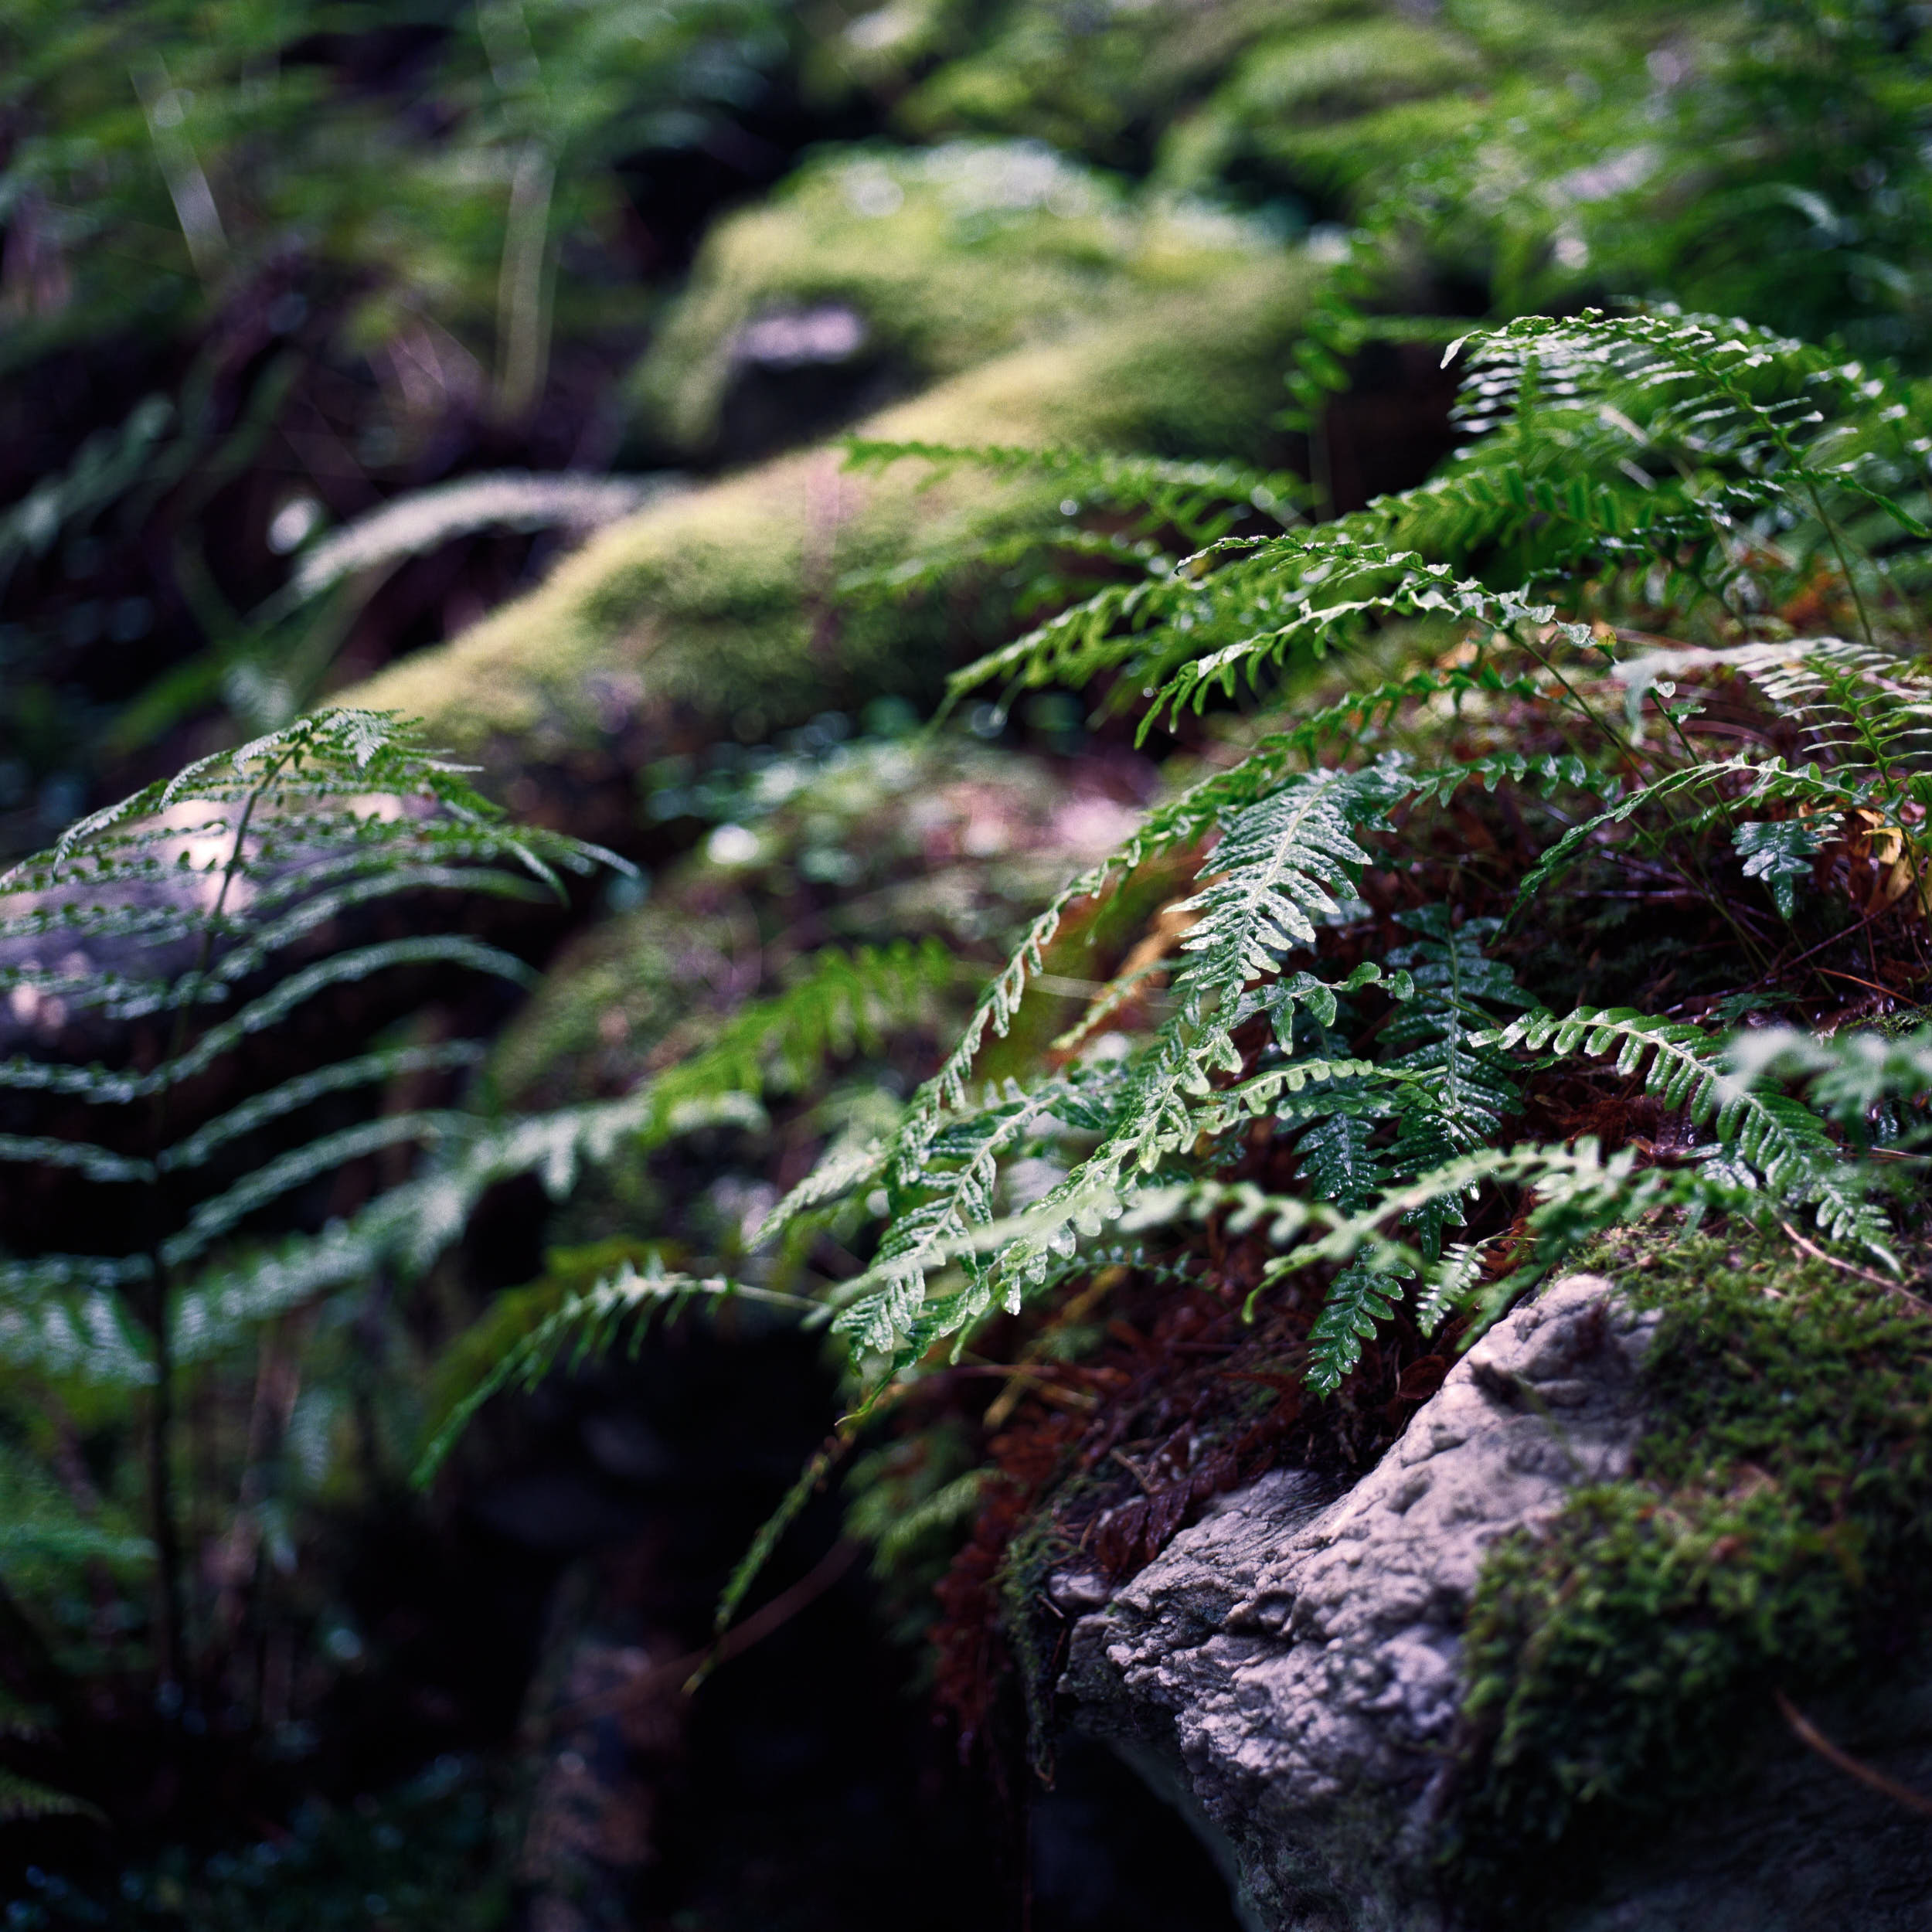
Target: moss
{"points": [[1097, 80], [1327, 107], [721, 608], [1343, 72], [1774, 1534], [948, 256]]}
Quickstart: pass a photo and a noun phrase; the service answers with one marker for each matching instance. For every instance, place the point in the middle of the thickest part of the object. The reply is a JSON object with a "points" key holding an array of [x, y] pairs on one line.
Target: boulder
{"points": [[728, 613], [873, 271], [1290, 1670]]}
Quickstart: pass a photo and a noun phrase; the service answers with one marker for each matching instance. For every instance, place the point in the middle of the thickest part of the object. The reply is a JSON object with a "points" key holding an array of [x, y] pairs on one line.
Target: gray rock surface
{"points": [[1288, 1672]]}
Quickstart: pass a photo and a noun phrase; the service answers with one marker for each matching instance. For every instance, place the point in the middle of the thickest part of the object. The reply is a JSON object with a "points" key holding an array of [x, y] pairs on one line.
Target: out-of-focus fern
{"points": [[585, 1325], [202, 921]]}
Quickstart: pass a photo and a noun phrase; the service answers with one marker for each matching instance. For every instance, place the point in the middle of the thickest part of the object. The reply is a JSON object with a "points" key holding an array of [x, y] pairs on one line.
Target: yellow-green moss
{"points": [[950, 256], [1775, 1534], [1098, 79], [1332, 111], [724, 602]]}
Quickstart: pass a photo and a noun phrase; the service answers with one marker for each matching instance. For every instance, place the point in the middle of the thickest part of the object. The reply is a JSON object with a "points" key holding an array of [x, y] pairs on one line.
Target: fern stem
{"points": [[1844, 564], [1700, 880], [170, 1588], [170, 1594]]}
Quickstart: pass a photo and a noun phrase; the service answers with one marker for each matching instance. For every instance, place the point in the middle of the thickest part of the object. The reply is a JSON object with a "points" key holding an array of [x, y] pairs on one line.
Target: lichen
{"points": [[1774, 1534]]}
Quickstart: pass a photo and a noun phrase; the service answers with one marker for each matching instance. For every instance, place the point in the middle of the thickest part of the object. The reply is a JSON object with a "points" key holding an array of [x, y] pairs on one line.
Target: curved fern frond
{"points": [[366, 1069], [1284, 856], [585, 1326], [1360, 1298], [1762, 1134]]}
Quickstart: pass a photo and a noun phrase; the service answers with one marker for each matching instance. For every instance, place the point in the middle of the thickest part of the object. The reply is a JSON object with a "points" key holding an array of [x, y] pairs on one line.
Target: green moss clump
{"points": [[949, 255], [1095, 80], [1775, 1532], [719, 613]]}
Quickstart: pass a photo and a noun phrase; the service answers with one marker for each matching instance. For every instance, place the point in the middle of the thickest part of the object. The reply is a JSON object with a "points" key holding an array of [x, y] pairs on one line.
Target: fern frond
{"points": [[1765, 1134], [366, 1069], [585, 1326], [96, 1163], [1330, 1086], [215, 1217], [936, 1216], [87, 1336], [1577, 1180], [1335, 1159], [22, 1797], [1276, 871], [1780, 851], [1284, 854], [1452, 1282], [344, 968], [1717, 386], [1853, 1077], [1764, 782], [846, 1167], [1359, 1300]]}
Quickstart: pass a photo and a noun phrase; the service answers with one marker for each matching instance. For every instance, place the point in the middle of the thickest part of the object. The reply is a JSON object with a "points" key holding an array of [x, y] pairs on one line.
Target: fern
{"points": [[1746, 407], [1277, 869], [205, 892], [1768, 1135], [1777, 438], [1326, 996], [585, 1325]]}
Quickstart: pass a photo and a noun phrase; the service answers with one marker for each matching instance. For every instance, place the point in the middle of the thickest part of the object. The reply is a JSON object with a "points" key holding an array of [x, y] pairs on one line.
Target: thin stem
{"points": [[1844, 564], [1699, 879], [171, 1607], [171, 1595]]}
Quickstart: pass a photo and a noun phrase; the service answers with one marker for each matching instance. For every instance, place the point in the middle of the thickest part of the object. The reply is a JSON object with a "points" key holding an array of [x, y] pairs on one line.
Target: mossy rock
{"points": [[1100, 80], [720, 614], [1327, 108], [1297, 109], [923, 263], [1285, 103], [1774, 1537]]}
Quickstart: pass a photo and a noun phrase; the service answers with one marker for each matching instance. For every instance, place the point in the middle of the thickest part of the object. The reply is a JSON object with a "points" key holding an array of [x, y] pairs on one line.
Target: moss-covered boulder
{"points": [[1579, 1651], [1292, 103], [723, 613], [876, 268]]}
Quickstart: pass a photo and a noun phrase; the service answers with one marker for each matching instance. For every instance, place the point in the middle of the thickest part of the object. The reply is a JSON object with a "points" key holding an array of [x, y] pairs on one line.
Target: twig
{"points": [[1809, 1735], [741, 1637], [1849, 1267]]}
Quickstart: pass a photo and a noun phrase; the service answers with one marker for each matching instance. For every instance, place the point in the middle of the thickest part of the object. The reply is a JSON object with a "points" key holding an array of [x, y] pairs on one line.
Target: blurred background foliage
{"points": [[327, 329], [268, 267]]}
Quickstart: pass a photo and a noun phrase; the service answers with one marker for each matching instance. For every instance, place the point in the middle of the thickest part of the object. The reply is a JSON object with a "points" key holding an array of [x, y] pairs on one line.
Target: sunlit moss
{"points": [[725, 603]]}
